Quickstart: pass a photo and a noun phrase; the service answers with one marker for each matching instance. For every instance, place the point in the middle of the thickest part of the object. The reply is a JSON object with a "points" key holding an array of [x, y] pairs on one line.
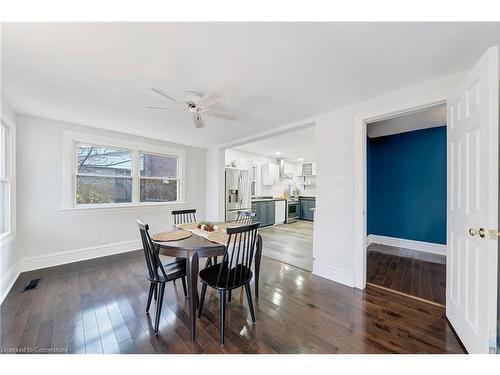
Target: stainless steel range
{"points": [[292, 211]]}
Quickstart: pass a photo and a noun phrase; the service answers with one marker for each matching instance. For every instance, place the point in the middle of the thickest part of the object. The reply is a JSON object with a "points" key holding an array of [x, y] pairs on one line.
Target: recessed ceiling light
{"points": [[301, 159], [278, 153]]}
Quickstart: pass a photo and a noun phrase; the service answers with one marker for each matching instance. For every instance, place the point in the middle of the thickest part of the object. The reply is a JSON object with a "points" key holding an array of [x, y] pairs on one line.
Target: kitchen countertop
{"points": [[268, 199], [306, 197]]}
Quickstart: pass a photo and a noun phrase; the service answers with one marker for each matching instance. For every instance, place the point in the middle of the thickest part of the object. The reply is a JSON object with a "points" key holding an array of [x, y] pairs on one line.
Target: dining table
{"points": [[192, 249]]}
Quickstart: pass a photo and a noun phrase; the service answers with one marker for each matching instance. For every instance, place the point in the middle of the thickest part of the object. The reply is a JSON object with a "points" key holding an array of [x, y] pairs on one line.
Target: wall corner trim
{"points": [[8, 281], [427, 247], [333, 273]]}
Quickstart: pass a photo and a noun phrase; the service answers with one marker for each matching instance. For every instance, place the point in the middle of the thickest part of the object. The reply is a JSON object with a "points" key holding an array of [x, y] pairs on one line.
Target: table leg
{"points": [[192, 277]]}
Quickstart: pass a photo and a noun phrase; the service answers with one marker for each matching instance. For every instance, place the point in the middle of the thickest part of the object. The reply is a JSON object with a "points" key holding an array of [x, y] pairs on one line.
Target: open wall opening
{"points": [[275, 178], [406, 204]]}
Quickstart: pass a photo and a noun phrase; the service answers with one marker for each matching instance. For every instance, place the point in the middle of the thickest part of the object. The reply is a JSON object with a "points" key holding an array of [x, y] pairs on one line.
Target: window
{"points": [[109, 176], [158, 178], [5, 180], [104, 175]]}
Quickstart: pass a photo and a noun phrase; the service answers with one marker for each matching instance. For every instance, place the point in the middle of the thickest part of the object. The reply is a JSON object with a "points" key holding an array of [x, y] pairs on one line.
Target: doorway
{"points": [[472, 248], [406, 204], [281, 186]]}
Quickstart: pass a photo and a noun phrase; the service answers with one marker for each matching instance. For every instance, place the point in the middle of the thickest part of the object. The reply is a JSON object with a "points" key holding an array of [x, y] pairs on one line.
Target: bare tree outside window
{"points": [[103, 175]]}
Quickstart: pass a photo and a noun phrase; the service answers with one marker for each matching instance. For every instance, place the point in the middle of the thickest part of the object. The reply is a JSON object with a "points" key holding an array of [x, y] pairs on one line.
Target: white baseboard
{"points": [[333, 273], [427, 247], [8, 281], [64, 257]]}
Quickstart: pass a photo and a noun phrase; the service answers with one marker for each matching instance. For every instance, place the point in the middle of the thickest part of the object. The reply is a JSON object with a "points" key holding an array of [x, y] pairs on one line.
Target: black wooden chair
{"points": [[233, 272], [245, 217], [159, 274], [184, 216]]}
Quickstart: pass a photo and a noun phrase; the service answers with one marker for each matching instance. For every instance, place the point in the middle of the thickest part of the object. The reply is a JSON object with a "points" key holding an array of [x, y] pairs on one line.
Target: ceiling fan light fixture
{"points": [[196, 107]]}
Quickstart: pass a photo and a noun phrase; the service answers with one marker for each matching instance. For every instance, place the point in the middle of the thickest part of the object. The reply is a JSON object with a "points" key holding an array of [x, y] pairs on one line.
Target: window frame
{"points": [[8, 177], [71, 140], [76, 174], [138, 167]]}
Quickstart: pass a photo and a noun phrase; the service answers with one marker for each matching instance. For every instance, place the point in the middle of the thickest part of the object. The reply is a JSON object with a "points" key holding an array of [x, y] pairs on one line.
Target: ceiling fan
{"points": [[196, 104]]}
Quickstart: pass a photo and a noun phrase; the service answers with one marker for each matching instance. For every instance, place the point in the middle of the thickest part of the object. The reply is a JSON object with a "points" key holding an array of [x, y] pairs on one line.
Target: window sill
{"points": [[119, 208], [7, 237]]}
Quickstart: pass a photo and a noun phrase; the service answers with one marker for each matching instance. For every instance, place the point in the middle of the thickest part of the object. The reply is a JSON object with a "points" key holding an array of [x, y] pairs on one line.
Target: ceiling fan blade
{"points": [[198, 121], [167, 95], [224, 115], [167, 108], [209, 99]]}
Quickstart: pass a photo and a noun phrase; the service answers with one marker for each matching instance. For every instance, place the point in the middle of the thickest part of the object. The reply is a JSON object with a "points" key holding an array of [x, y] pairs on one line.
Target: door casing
{"points": [[361, 180]]}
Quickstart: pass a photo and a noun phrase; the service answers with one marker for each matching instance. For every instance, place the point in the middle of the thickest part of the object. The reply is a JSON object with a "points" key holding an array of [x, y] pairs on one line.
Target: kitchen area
{"points": [[277, 180]]}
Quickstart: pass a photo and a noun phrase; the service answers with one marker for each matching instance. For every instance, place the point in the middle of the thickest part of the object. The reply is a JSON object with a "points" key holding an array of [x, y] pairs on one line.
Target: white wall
{"points": [[339, 226], [341, 139], [48, 235], [277, 190], [9, 258]]}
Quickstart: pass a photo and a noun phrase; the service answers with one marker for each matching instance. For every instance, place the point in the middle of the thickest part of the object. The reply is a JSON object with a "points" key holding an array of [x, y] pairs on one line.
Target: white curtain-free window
{"points": [[108, 175], [159, 178], [5, 179]]}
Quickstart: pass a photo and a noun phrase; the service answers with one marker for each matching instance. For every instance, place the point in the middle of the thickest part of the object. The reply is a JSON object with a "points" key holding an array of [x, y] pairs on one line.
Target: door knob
{"points": [[482, 232], [472, 231]]}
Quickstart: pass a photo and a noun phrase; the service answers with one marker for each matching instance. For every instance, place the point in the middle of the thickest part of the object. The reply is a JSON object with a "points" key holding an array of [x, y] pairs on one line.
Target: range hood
{"points": [[281, 164]]}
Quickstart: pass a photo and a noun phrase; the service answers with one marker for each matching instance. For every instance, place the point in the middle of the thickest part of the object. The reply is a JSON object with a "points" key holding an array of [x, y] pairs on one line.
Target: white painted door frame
{"points": [[479, 337], [360, 172]]}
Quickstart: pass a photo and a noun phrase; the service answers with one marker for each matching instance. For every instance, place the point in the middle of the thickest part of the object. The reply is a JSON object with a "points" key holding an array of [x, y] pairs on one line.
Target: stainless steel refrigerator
{"points": [[238, 195]]}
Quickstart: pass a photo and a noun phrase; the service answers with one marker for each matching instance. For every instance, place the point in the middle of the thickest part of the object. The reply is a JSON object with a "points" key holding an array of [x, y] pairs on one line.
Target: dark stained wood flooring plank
{"points": [[418, 278], [98, 306]]}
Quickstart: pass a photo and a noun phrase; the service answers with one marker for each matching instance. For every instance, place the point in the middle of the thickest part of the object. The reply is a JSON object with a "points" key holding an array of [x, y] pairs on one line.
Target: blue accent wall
{"points": [[406, 189]]}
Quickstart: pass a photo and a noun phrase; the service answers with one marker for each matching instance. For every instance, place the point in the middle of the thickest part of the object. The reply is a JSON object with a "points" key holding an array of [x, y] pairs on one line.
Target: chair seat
{"points": [[173, 270], [235, 277]]}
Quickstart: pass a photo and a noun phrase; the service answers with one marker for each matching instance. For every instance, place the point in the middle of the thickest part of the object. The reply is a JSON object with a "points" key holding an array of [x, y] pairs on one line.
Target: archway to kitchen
{"points": [[275, 177]]}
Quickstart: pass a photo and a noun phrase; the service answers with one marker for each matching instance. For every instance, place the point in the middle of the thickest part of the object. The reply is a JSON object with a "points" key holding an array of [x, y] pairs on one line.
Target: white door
{"points": [[471, 272]]}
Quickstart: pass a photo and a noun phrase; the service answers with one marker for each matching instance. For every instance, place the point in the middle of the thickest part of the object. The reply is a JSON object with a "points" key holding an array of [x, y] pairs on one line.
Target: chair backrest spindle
{"points": [[238, 255], [245, 217], [184, 216]]}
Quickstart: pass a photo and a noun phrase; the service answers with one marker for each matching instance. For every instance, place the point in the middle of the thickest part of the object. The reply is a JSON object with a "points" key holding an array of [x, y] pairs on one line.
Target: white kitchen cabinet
{"points": [[270, 174], [243, 164], [279, 212]]}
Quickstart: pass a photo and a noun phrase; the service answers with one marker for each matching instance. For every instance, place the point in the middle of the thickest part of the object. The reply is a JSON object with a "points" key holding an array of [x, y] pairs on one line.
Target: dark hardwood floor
{"points": [[97, 306], [418, 278]]}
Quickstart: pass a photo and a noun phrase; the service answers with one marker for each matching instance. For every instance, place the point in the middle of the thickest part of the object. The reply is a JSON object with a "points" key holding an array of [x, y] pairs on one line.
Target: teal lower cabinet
{"points": [[305, 205], [270, 207], [265, 212], [256, 209]]}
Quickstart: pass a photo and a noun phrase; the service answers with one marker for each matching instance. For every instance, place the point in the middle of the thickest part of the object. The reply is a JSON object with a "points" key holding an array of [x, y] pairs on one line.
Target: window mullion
{"points": [[135, 177]]}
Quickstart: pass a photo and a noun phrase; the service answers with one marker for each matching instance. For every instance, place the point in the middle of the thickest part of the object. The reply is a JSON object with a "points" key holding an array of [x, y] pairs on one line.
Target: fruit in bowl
{"points": [[207, 227]]}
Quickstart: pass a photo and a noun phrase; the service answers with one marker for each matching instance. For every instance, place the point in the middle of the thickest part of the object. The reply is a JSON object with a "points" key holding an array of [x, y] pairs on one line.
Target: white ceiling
{"points": [[271, 74], [421, 119], [292, 146]]}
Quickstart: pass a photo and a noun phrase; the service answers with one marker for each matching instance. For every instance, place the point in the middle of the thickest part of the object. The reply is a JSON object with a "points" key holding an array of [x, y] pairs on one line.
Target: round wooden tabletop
{"points": [[185, 247]]}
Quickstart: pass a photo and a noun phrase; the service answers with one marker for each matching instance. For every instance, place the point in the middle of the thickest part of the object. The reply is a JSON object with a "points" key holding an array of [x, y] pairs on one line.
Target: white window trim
{"points": [[9, 235], [72, 138]]}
